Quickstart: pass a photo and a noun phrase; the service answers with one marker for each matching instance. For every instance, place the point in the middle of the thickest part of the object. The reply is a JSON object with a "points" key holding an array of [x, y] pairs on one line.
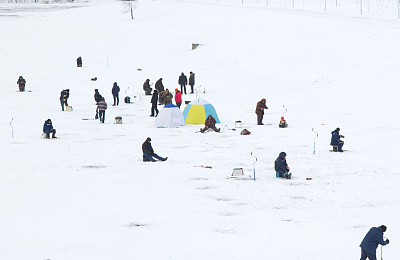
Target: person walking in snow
{"points": [[336, 142], [115, 93], [260, 110], [101, 109], [21, 83], [281, 167], [48, 128], [210, 123], [79, 62], [154, 102], [182, 81], [97, 96], [148, 152], [146, 87], [191, 81], [167, 97], [178, 98], [64, 95], [372, 239]]}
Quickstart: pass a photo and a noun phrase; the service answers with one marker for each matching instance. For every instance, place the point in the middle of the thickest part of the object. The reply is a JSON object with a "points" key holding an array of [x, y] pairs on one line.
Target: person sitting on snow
{"points": [[283, 123], [335, 140], [48, 128], [210, 123], [148, 152], [281, 167]]}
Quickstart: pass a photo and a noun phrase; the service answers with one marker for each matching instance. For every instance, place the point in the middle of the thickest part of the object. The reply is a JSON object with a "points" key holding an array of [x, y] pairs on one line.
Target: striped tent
{"points": [[196, 112]]}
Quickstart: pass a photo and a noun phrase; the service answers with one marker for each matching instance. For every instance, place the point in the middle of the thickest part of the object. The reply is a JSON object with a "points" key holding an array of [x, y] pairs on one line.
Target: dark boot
{"points": [[47, 135]]}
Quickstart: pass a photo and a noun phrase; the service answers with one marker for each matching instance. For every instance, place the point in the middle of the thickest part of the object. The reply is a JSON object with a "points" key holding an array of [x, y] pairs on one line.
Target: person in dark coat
{"points": [[79, 61], [154, 102], [48, 128], [146, 87], [260, 110], [64, 95], [148, 152], [210, 123], [115, 93], [281, 167], [182, 81], [160, 89], [372, 239], [101, 109], [21, 83], [335, 140], [191, 81], [97, 96], [167, 97]]}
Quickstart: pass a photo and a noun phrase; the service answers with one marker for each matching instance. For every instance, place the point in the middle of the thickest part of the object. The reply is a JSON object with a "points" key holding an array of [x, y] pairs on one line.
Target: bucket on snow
{"points": [[68, 108], [118, 120]]}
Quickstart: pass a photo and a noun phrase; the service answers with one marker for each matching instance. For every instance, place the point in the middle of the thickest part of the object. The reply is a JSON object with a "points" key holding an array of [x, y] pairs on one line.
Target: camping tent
{"points": [[197, 111], [170, 116]]}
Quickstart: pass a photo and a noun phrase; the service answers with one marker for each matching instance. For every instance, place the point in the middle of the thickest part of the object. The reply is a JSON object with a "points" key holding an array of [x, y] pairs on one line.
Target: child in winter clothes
{"points": [[283, 123]]}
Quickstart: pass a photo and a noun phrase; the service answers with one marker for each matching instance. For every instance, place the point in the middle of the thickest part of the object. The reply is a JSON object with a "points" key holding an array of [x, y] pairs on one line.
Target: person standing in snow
{"points": [[64, 95], [167, 97], [191, 81], [210, 123], [48, 128], [260, 110], [281, 167], [335, 140], [79, 62], [146, 87], [21, 83], [372, 239], [154, 102], [97, 96], [178, 98], [182, 81], [160, 89], [115, 93], [101, 109], [148, 152]]}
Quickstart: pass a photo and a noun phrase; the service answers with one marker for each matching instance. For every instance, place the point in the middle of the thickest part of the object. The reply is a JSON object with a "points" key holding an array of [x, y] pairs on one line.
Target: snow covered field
{"points": [[88, 195]]}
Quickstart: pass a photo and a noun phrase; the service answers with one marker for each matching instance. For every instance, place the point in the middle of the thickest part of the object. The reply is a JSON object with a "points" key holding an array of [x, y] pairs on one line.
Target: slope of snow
{"points": [[88, 195]]}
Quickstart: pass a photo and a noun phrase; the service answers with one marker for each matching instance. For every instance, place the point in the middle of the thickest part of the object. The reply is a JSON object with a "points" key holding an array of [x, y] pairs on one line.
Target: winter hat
{"points": [[282, 118], [48, 120], [383, 227], [148, 139], [176, 90], [337, 129]]}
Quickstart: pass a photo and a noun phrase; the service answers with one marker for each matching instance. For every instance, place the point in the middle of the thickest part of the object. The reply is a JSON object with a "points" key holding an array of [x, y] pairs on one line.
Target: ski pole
{"points": [[314, 138], [254, 167]]}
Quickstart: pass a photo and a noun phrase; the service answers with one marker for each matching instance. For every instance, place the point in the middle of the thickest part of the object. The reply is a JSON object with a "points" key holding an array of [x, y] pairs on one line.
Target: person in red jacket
{"points": [[210, 123], [178, 98]]}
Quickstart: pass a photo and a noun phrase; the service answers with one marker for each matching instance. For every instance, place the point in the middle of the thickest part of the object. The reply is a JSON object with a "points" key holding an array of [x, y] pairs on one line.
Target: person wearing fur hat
{"points": [[335, 140], [148, 152], [178, 98], [372, 239], [167, 97], [260, 110], [283, 123], [281, 167]]}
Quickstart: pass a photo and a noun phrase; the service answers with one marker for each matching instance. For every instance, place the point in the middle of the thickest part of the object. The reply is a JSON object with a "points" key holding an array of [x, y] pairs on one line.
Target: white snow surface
{"points": [[88, 195]]}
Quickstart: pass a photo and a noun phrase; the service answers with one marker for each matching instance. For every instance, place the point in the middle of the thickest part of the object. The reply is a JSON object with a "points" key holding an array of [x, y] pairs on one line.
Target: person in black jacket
{"points": [[64, 95], [146, 87], [48, 128], [79, 62], [191, 81], [182, 81], [115, 93], [148, 152], [281, 167], [97, 96], [154, 101]]}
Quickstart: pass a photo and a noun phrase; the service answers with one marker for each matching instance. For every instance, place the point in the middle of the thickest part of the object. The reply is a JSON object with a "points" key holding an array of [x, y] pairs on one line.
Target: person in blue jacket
{"points": [[115, 93], [148, 152], [372, 239], [281, 167], [48, 128], [335, 140]]}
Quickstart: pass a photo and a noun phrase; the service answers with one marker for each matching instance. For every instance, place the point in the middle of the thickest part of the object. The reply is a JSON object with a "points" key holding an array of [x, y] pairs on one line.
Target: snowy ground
{"points": [[88, 195]]}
